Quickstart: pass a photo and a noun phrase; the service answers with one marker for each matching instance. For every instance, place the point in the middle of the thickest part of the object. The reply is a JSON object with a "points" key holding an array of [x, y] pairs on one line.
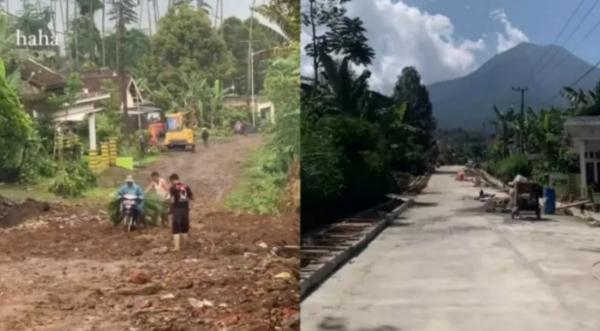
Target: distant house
{"points": [[265, 110], [137, 106], [38, 81]]}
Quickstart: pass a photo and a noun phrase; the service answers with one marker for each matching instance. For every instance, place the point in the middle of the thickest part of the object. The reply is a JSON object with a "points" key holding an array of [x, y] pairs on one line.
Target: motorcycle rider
{"points": [[131, 188]]}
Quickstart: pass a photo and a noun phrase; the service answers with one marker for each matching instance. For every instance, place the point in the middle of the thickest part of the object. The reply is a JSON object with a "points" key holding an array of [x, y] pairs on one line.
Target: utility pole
{"points": [[251, 65], [522, 90]]}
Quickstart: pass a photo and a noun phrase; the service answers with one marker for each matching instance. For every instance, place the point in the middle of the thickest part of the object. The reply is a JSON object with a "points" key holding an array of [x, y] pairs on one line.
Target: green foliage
{"points": [[136, 45], [154, 207], [506, 169], [459, 146], [186, 42], [34, 18], [36, 163], [72, 180], [264, 38], [419, 113], [264, 180], [123, 12], [285, 14], [231, 115], [88, 40], [16, 127], [261, 187], [357, 145], [282, 83]]}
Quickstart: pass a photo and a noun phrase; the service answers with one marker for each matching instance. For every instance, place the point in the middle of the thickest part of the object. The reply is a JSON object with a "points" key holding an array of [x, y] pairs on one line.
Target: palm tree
{"points": [[285, 14], [347, 38], [350, 94], [507, 123], [584, 103], [122, 12]]}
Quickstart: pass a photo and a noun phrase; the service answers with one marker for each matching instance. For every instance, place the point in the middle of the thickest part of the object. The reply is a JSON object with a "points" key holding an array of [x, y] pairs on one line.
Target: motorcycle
{"points": [[129, 215]]}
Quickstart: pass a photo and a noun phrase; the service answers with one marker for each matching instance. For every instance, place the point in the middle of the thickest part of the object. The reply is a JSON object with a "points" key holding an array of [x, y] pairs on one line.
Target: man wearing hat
{"points": [[131, 188]]}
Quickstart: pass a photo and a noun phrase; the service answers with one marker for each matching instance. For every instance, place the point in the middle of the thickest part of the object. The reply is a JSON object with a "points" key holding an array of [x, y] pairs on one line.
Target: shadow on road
{"points": [[527, 219], [400, 223], [429, 193], [424, 204], [340, 324]]}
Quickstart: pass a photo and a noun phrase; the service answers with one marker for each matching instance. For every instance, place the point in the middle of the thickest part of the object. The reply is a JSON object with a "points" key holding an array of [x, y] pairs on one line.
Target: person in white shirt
{"points": [[161, 187]]}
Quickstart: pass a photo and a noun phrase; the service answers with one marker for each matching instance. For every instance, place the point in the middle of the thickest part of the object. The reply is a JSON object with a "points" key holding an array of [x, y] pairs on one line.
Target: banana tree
{"points": [[507, 124], [583, 103], [216, 102]]}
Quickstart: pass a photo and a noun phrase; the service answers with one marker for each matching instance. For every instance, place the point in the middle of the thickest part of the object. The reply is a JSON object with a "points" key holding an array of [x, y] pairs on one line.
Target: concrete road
{"points": [[446, 265]]}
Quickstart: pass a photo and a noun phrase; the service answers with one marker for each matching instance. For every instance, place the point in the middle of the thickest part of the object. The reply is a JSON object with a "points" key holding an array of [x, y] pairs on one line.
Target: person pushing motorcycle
{"points": [[131, 188]]}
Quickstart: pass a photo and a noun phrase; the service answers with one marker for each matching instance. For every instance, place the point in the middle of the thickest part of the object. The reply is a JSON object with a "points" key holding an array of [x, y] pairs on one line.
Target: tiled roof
{"points": [[41, 76]]}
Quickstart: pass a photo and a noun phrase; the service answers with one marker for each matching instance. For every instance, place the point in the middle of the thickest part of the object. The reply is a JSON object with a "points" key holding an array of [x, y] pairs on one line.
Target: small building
{"points": [[584, 134], [39, 81]]}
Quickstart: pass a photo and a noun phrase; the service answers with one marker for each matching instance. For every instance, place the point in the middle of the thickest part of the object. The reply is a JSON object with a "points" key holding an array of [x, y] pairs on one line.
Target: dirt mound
{"points": [[13, 213]]}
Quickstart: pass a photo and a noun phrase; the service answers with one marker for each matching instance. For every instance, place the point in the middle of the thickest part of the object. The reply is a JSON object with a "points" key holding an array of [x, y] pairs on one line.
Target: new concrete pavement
{"points": [[446, 265]]}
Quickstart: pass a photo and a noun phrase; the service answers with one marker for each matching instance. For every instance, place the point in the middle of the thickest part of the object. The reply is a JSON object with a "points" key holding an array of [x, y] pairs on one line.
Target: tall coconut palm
{"points": [[123, 13], [285, 14]]}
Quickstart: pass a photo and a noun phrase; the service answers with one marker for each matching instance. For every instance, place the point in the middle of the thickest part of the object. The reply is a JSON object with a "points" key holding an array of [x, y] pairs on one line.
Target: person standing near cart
{"points": [[181, 196]]}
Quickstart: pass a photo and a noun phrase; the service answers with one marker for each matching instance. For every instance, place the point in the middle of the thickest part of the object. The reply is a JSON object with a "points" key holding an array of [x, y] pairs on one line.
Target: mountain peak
{"points": [[468, 102]]}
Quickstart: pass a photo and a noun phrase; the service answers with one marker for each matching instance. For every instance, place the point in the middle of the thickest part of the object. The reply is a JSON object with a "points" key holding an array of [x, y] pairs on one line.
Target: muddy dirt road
{"points": [[69, 269]]}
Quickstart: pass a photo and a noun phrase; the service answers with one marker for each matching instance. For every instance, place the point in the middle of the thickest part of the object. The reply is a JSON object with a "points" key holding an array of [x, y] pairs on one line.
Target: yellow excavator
{"points": [[179, 133]]}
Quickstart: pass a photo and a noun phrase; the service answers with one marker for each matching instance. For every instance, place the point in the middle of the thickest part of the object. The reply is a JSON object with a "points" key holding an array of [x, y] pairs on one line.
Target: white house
{"points": [[584, 133]]}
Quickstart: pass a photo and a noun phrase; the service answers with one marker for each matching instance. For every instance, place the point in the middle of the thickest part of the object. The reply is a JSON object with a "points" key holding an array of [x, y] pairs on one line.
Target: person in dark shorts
{"points": [[181, 195]]}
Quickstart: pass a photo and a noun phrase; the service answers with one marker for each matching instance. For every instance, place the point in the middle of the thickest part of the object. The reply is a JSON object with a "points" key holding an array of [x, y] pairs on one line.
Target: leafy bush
{"points": [[230, 115], [72, 180], [263, 182], [506, 169], [154, 207]]}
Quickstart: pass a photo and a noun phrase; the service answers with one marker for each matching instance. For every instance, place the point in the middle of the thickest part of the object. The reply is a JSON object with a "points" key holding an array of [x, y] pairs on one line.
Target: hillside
{"points": [[467, 102]]}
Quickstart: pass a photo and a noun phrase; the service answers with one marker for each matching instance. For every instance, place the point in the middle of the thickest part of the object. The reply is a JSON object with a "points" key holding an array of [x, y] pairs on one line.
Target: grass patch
{"points": [[146, 160], [261, 186], [21, 192]]}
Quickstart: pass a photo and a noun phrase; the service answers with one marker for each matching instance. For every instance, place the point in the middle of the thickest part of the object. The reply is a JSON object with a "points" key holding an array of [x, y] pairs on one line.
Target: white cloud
{"points": [[511, 36], [402, 36]]}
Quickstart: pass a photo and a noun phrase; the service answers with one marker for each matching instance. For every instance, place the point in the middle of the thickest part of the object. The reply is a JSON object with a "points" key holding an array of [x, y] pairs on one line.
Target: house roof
{"points": [[92, 80], [41, 76]]}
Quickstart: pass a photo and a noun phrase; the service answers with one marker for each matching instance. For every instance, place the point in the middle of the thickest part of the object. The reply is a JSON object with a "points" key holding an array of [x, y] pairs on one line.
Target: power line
{"points": [[564, 28], [587, 72], [572, 34], [596, 26], [589, 12]]}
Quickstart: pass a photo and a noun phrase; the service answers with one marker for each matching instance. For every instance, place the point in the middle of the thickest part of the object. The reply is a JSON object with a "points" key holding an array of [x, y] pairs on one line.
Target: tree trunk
{"points": [[103, 33], [314, 41], [122, 74]]}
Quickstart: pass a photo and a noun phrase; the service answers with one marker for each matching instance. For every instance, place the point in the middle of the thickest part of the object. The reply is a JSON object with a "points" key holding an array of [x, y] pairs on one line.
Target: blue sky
{"points": [[448, 39]]}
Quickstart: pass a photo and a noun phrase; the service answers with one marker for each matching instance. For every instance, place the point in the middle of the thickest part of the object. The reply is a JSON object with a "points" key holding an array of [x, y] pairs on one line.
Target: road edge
{"points": [[330, 267]]}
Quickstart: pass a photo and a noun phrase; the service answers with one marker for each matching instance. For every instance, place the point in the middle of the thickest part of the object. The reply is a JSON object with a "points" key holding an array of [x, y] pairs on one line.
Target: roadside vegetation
{"points": [[270, 173], [357, 144], [534, 144]]}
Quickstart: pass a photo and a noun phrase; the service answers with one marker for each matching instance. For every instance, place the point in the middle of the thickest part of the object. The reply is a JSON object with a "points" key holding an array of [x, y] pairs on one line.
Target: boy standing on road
{"points": [[181, 195], [161, 187]]}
